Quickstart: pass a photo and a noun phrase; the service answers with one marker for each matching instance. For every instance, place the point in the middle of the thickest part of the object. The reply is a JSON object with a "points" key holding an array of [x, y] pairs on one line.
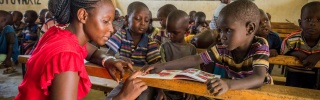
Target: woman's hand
{"points": [[114, 65], [132, 88]]}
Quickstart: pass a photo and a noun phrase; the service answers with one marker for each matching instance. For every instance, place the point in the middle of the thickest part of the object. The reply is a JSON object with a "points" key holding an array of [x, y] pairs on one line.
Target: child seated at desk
{"points": [[8, 43], [133, 43], [273, 38], [243, 55], [305, 45], [177, 25], [31, 31]]}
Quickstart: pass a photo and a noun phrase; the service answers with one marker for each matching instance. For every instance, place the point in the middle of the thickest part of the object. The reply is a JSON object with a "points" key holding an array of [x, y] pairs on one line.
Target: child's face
{"points": [[310, 23], [16, 18], [176, 31], [232, 33], [27, 17], [265, 26], [192, 15], [162, 18], [2, 22], [98, 26], [200, 21], [117, 15], [139, 20]]}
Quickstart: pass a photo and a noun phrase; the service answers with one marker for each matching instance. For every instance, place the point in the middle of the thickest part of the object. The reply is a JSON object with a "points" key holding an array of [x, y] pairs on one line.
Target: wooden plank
{"points": [[288, 61], [271, 92], [282, 25], [287, 31]]}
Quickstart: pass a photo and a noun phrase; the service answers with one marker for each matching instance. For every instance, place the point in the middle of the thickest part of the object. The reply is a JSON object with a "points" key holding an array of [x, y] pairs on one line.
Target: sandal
{"points": [[2, 65], [9, 70]]}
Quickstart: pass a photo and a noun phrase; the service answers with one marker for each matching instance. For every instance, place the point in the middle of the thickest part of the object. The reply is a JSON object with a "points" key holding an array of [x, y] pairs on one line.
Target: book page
{"points": [[165, 74], [196, 74]]}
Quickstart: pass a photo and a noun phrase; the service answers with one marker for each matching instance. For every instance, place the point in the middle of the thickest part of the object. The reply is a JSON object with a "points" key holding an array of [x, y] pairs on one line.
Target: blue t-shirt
{"points": [[274, 41], [30, 32], [3, 42]]}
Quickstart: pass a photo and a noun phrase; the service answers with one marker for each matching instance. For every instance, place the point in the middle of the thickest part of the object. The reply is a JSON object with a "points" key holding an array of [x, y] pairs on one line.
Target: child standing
{"points": [[243, 55], [273, 38], [8, 42], [304, 45], [30, 32], [162, 15], [177, 26]]}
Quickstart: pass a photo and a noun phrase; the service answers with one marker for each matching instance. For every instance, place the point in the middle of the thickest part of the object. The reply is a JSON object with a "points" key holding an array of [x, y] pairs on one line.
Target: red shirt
{"points": [[57, 51]]}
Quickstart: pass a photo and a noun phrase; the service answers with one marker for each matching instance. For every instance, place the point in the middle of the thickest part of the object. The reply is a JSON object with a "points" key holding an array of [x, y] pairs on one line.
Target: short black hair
{"points": [[7, 17], [43, 11], [134, 6], [242, 10], [33, 14], [166, 9], [261, 12], [178, 15], [200, 14], [192, 12], [315, 5], [64, 10], [19, 14]]}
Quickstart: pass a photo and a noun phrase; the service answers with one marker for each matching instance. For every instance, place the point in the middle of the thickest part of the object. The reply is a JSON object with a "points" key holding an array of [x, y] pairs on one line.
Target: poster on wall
{"points": [[20, 2]]}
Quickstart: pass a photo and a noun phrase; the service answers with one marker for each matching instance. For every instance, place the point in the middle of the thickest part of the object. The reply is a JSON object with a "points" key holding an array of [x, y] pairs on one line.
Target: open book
{"points": [[188, 74]]}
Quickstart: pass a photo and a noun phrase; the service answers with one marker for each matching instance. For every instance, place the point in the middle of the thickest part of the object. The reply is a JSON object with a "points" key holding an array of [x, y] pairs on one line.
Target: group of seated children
{"points": [[241, 44], [26, 34]]}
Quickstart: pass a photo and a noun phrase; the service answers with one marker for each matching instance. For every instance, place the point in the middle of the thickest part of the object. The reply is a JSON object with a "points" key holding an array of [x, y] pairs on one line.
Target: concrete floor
{"points": [[9, 85]]}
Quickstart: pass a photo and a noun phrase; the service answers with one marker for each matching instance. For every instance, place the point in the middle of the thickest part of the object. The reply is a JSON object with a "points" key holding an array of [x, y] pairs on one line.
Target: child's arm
{"points": [[298, 54], [311, 60], [273, 52], [219, 86]]}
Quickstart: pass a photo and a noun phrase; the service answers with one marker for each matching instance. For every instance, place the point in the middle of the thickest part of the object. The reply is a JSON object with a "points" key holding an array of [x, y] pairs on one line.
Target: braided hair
{"points": [[64, 10]]}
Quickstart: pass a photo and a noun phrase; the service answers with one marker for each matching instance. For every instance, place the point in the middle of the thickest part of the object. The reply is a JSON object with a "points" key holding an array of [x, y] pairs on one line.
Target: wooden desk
{"points": [[269, 92]]}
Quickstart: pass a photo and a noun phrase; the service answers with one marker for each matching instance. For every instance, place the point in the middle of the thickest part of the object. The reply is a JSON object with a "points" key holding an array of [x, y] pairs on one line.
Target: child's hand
{"points": [[311, 61], [161, 95], [273, 53], [114, 65], [155, 68], [132, 88], [126, 59], [217, 86], [189, 96]]}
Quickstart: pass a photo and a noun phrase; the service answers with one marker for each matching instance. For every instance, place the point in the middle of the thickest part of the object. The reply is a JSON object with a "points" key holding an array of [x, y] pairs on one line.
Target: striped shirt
{"points": [[146, 50], [258, 55], [296, 42]]}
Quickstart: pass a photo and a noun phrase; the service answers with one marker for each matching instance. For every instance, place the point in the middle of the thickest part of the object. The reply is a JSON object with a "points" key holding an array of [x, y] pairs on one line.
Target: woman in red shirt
{"points": [[56, 68]]}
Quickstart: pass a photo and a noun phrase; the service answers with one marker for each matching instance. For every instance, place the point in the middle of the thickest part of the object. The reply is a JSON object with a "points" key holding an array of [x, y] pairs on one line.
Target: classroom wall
{"points": [[281, 10]]}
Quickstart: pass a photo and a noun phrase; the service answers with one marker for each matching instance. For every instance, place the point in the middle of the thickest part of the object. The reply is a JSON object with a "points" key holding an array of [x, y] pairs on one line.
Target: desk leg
{"points": [[318, 79], [23, 66]]}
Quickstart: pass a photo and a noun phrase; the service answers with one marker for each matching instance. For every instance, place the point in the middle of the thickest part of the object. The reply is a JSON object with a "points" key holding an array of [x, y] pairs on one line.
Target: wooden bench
{"points": [[283, 28]]}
